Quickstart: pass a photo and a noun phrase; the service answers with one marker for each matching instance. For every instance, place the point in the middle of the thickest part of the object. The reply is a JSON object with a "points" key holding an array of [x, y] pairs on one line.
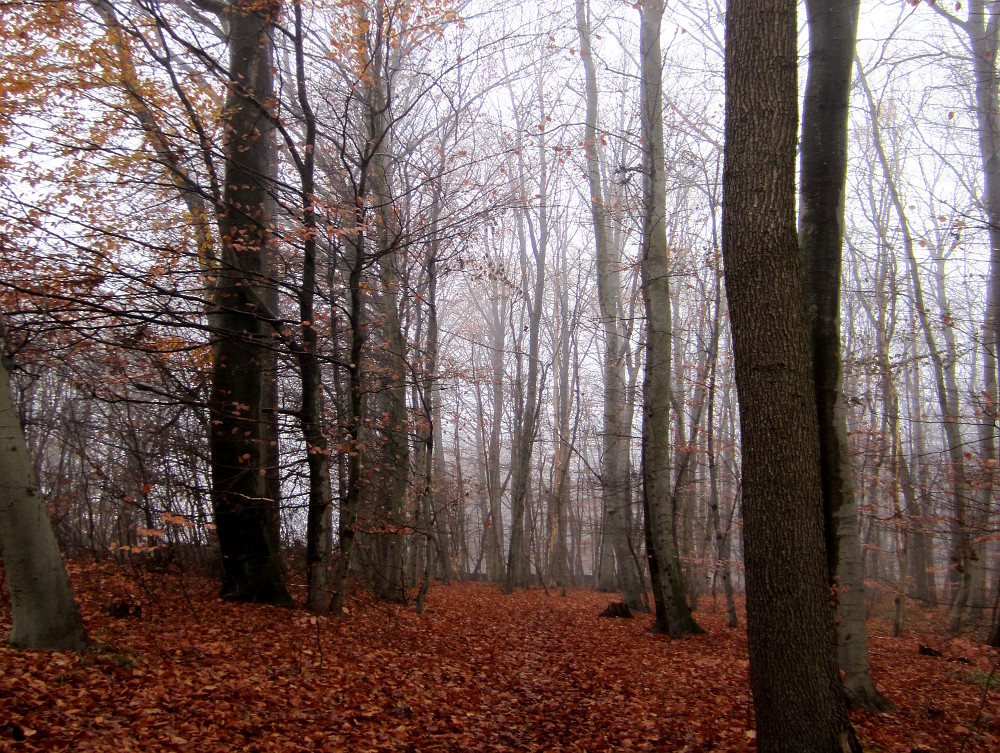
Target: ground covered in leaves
{"points": [[175, 668]]}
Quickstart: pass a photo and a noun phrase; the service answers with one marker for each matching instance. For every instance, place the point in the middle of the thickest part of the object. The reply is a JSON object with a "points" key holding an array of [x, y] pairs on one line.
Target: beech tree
{"points": [[615, 434], [832, 33], [44, 611], [248, 536], [981, 32], [672, 612]]}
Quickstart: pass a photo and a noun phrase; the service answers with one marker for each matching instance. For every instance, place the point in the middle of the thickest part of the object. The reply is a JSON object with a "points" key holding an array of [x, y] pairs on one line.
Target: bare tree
{"points": [[672, 613], [798, 695]]}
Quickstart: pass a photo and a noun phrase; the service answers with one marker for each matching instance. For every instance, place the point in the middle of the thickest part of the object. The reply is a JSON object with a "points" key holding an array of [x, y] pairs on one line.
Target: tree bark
{"points": [[798, 696], [832, 36], [526, 421], [615, 436], [45, 616], [252, 568], [672, 614]]}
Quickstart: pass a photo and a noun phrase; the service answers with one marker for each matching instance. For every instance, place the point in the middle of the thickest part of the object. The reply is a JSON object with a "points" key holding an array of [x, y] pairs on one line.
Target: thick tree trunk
{"points": [[389, 582], [44, 612], [250, 70], [832, 35], [248, 539], [798, 696]]}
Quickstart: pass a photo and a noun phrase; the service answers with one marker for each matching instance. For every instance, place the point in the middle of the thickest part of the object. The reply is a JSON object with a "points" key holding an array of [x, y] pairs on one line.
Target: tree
{"points": [[615, 435], [672, 613], [798, 697], [248, 538], [534, 234], [832, 33], [45, 614], [981, 29]]}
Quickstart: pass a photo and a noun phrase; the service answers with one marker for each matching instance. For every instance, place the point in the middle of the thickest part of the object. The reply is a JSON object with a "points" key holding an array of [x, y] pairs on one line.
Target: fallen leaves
{"points": [[479, 671]]}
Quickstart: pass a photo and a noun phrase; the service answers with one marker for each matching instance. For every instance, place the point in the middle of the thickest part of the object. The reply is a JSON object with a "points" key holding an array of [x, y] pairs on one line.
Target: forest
{"points": [[365, 361]]}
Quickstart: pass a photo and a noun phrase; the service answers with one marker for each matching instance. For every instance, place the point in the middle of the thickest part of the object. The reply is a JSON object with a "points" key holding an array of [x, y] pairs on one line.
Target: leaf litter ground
{"points": [[479, 671]]}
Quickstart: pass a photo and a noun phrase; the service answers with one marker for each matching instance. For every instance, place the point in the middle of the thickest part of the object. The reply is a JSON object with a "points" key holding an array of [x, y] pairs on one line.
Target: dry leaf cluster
{"points": [[479, 671]]}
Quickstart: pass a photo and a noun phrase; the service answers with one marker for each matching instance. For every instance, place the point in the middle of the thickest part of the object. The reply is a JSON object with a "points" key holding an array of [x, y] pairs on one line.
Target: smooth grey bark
{"points": [[375, 93], [245, 522], [798, 695], [565, 385], [615, 434], [526, 410], [672, 613], [832, 36], [45, 615]]}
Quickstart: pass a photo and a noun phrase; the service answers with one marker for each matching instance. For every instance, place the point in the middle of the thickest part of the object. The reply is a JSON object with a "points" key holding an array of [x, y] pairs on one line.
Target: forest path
{"points": [[479, 671]]}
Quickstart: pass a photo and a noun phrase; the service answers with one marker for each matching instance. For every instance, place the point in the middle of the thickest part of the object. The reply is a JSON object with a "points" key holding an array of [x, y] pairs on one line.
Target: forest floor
{"points": [[479, 671]]}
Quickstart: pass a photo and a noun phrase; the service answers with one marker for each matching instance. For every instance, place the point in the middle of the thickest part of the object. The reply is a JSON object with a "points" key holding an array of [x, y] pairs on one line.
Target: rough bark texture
{"points": [[248, 539], [832, 35], [798, 697], [44, 612], [672, 614]]}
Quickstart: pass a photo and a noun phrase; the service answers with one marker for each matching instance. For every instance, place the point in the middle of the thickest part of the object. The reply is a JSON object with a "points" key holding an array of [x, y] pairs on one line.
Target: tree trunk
{"points": [[832, 34], [615, 436], [318, 519], [798, 696], [526, 422], [672, 614], [985, 37], [44, 612], [982, 31], [351, 501], [252, 569]]}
